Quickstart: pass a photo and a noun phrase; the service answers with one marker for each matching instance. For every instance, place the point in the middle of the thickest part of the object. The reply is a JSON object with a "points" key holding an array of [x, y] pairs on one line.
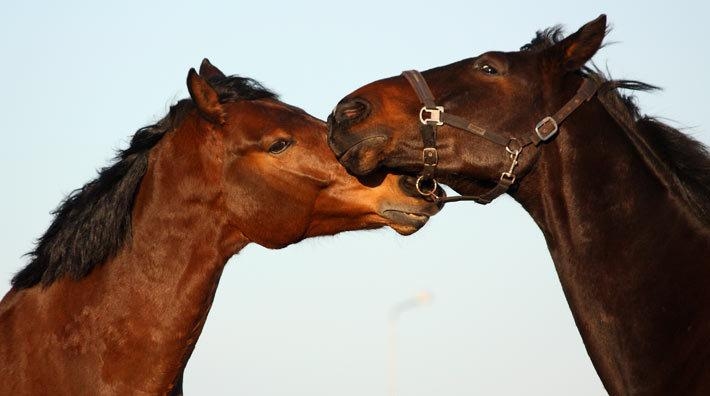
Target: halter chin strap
{"points": [[431, 116]]}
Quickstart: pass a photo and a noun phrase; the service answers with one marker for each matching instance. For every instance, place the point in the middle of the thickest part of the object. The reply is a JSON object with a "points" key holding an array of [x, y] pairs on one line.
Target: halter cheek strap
{"points": [[431, 116]]}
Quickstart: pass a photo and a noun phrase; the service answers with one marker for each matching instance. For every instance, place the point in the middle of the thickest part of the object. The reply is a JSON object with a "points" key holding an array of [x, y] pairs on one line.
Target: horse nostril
{"points": [[351, 110]]}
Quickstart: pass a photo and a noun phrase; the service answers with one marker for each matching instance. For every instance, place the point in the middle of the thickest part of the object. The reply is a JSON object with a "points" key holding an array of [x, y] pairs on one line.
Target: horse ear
{"points": [[205, 97], [208, 71], [578, 48]]}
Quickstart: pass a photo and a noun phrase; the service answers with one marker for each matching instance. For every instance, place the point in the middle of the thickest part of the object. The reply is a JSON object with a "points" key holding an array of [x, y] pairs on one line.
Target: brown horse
{"points": [[119, 287], [623, 200]]}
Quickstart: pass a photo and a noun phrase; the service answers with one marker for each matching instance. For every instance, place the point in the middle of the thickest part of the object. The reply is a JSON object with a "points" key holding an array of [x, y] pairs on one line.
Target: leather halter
{"points": [[432, 116]]}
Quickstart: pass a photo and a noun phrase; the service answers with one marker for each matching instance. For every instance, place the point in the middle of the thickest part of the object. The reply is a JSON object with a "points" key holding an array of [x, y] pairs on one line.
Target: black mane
{"points": [[93, 222], [544, 39], [682, 163]]}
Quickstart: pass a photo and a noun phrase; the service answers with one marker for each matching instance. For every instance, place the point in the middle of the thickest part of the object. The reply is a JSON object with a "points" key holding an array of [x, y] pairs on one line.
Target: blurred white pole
{"points": [[420, 299]]}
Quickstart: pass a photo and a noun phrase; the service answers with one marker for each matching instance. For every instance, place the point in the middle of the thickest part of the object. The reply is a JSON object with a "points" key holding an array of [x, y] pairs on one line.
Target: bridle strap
{"points": [[464, 124], [543, 131], [500, 188], [430, 157], [420, 87], [548, 126]]}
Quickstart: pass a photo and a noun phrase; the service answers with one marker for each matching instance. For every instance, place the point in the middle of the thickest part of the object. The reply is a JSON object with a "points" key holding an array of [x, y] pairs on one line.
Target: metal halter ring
{"points": [[510, 149], [426, 193]]}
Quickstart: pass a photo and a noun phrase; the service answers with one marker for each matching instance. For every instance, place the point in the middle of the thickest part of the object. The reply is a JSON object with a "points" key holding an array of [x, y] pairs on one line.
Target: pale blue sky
{"points": [[80, 78]]}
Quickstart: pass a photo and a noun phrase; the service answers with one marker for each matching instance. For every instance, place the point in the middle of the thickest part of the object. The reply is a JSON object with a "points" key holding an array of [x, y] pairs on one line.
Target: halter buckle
{"points": [[434, 115], [542, 123], [430, 156]]}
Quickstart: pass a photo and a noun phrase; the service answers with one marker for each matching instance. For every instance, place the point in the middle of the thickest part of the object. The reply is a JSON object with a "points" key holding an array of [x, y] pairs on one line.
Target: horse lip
{"points": [[421, 208], [357, 144], [411, 215], [405, 222], [407, 218]]}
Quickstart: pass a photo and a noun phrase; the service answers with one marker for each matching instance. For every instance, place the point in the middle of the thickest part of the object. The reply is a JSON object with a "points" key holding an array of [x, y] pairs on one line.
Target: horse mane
{"points": [[681, 162], [93, 222]]}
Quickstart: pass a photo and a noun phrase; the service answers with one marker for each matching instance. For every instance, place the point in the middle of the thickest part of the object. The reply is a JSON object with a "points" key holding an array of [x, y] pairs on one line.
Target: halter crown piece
{"points": [[431, 116]]}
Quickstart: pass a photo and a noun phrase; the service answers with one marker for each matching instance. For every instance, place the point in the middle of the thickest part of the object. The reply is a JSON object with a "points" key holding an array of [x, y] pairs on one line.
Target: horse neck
{"points": [[180, 244], [626, 251], [137, 317]]}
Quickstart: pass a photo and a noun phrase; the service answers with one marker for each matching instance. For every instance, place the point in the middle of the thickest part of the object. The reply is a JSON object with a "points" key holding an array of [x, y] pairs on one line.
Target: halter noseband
{"points": [[432, 116]]}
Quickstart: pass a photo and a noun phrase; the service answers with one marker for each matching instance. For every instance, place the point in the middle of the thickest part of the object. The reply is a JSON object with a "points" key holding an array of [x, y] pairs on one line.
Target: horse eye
{"points": [[279, 146], [488, 69]]}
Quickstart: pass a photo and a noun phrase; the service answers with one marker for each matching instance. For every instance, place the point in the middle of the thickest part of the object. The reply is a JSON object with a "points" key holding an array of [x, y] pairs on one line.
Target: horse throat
{"points": [[627, 257]]}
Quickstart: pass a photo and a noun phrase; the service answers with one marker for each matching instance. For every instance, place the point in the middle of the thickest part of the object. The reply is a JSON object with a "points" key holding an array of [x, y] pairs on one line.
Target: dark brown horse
{"points": [[623, 200], [118, 288]]}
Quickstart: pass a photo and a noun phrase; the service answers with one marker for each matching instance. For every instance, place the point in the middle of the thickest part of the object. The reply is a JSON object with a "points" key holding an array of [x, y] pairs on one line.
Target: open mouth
{"points": [[406, 217], [405, 223]]}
